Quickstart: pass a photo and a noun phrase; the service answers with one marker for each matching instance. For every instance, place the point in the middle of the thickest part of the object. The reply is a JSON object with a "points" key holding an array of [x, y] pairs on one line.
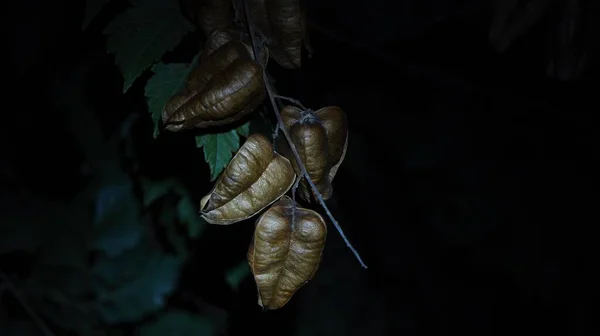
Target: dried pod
{"points": [[220, 37], [257, 11], [287, 26], [254, 178], [282, 24], [321, 139], [224, 88], [285, 251], [209, 15]]}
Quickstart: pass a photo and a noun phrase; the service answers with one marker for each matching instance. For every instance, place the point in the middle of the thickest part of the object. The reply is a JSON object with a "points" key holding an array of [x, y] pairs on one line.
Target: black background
{"points": [[467, 187]]}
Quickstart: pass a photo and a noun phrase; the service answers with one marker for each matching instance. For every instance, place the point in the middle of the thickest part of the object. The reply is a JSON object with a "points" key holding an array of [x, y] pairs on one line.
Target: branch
{"points": [[291, 100], [38, 321], [303, 171]]}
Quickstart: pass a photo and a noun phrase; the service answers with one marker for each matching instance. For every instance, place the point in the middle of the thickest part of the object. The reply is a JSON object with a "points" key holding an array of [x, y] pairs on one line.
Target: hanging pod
{"points": [[321, 138], [222, 36], [225, 87], [285, 251], [286, 19], [209, 15], [254, 178], [282, 23]]}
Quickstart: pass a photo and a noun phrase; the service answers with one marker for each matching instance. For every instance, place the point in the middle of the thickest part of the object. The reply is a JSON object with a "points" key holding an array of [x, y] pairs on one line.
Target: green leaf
{"points": [[244, 130], [179, 323], [168, 79], [92, 8], [140, 36], [218, 150], [237, 274], [145, 292]]}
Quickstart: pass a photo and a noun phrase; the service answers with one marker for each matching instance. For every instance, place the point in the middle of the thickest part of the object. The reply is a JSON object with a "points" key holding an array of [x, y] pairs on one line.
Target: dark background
{"points": [[467, 187]]}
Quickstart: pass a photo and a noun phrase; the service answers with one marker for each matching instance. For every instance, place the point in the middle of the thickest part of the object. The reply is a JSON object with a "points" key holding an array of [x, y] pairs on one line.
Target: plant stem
{"points": [[36, 319], [303, 171], [307, 177], [291, 100]]}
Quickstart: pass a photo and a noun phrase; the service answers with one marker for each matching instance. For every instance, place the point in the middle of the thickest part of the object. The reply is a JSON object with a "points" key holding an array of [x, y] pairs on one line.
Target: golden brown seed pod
{"points": [[287, 26], [321, 139], [215, 63], [222, 36], [224, 88], [282, 23], [285, 251], [257, 12], [209, 15], [335, 123], [254, 178]]}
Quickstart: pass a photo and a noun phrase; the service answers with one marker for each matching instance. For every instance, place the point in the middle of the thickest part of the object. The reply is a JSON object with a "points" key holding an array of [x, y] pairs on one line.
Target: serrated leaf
{"points": [[144, 294], [168, 79], [244, 130], [179, 323], [218, 150], [140, 36], [92, 8]]}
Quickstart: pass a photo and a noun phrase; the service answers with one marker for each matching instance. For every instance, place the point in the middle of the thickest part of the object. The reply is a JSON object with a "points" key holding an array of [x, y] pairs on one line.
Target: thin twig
{"points": [[295, 187], [275, 134], [34, 316], [294, 204], [291, 100], [303, 171]]}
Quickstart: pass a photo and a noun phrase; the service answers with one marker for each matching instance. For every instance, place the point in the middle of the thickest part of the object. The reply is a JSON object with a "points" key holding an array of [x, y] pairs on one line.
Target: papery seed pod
{"points": [[285, 251], [254, 178], [219, 60], [209, 15], [257, 12], [321, 139], [283, 34], [223, 36], [224, 88], [334, 120], [285, 18]]}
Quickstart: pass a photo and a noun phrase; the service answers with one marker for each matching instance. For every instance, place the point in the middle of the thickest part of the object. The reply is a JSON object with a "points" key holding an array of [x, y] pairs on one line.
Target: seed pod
{"points": [[285, 251], [321, 139], [222, 36], [257, 12], [209, 15], [285, 18], [227, 86], [254, 178], [282, 24]]}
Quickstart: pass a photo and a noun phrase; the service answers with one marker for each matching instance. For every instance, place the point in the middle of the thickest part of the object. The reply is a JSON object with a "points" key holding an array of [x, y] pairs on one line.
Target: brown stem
{"points": [[303, 171], [291, 100]]}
